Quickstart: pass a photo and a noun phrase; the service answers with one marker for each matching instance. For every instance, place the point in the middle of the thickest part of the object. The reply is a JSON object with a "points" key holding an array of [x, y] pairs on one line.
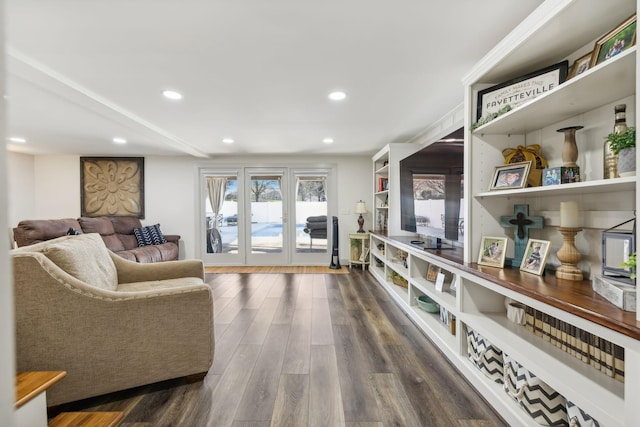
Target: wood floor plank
{"points": [[325, 397], [287, 306], [319, 286], [292, 402], [259, 328], [358, 398], [395, 407], [321, 331], [373, 353], [263, 284], [297, 357], [232, 384], [305, 293], [229, 342], [364, 424], [260, 394]]}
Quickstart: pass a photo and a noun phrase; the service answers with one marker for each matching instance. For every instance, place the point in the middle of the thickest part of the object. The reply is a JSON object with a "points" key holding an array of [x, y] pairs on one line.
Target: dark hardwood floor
{"points": [[308, 350]]}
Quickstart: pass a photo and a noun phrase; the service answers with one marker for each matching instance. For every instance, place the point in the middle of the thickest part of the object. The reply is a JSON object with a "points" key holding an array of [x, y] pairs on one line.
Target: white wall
{"points": [[21, 169], [171, 190], [7, 358]]}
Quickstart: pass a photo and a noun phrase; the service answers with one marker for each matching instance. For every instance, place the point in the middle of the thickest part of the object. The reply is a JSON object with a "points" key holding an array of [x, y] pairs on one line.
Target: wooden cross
{"points": [[521, 222]]}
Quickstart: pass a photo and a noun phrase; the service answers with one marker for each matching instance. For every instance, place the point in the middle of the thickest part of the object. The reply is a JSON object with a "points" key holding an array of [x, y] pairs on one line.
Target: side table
{"points": [[359, 249]]}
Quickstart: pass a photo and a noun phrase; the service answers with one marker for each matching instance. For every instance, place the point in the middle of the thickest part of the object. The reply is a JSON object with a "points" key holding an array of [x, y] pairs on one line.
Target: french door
{"points": [[260, 216]]}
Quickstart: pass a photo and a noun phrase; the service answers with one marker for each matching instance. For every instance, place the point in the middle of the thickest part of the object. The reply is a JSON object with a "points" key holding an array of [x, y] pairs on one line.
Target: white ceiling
{"points": [[81, 72]]}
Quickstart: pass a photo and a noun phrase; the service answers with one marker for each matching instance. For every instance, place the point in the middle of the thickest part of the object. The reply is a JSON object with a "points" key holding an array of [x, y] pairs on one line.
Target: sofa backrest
{"points": [[33, 231], [84, 257], [124, 226]]}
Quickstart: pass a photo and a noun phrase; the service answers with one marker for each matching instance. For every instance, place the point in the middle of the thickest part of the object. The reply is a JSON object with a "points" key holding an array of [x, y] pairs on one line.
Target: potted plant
{"points": [[631, 265], [624, 146]]}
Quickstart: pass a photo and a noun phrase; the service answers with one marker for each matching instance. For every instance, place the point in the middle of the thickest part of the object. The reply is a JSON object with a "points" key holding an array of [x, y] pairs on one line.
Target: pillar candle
{"points": [[569, 215]]}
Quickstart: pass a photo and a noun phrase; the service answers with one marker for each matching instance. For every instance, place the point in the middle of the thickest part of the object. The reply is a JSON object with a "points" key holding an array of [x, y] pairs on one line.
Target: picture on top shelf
{"points": [[535, 256], [521, 89], [432, 272], [615, 41], [492, 251], [580, 65], [512, 175]]}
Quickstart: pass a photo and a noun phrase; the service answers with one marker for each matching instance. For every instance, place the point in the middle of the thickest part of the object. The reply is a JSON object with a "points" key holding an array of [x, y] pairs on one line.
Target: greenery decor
{"points": [[486, 119], [631, 264], [620, 141]]}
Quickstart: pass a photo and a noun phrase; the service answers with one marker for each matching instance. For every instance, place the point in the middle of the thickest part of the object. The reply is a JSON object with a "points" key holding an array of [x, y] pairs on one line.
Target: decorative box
{"points": [[523, 153], [560, 175], [619, 294]]}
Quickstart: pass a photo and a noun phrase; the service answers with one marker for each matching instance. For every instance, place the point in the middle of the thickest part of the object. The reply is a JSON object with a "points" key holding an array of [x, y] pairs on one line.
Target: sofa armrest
{"points": [[173, 238], [130, 271]]}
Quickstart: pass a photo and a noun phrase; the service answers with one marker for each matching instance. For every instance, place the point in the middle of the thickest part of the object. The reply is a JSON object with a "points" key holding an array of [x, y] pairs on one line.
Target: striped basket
{"points": [[545, 405], [486, 356]]}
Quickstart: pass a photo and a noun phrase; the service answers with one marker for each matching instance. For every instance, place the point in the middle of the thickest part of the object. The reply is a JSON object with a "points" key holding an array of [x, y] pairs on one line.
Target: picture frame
{"points": [[112, 186], [580, 65], [615, 41], [432, 272], [493, 251], [510, 176], [521, 89], [535, 256]]}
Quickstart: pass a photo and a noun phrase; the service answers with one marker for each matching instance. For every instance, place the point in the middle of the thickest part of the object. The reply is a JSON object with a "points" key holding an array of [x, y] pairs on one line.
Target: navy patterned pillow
{"points": [[149, 235]]}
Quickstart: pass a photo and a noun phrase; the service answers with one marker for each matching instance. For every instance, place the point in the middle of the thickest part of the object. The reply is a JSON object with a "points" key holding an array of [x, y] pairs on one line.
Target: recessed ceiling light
{"points": [[337, 95], [119, 140], [328, 140], [228, 140], [172, 94], [17, 139]]}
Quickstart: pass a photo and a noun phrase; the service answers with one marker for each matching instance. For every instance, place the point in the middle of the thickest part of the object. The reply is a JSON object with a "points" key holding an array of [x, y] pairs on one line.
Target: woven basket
{"points": [[397, 280]]}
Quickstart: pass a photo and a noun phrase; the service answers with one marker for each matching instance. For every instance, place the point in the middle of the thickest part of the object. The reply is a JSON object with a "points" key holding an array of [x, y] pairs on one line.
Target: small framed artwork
{"points": [[432, 272], [512, 175], [615, 41], [580, 65], [535, 256], [492, 251]]}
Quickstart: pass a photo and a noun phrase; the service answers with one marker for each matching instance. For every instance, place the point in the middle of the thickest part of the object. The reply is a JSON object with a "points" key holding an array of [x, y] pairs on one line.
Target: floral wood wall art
{"points": [[112, 186]]}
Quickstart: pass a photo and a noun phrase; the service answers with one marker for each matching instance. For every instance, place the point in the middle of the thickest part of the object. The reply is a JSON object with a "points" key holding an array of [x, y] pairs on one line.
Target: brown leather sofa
{"points": [[116, 231]]}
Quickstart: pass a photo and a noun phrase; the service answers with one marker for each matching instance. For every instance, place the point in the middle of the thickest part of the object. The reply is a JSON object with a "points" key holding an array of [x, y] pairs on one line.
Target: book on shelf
{"points": [[383, 184], [538, 323], [546, 327], [529, 316], [606, 349], [584, 345], [618, 362], [564, 337], [553, 323], [594, 351]]}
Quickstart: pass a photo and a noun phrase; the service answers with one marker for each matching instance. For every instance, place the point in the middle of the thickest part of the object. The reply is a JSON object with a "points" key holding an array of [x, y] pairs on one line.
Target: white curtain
{"points": [[216, 187]]}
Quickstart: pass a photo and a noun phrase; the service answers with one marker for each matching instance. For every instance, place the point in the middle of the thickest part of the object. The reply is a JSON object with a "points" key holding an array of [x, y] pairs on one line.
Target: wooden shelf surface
{"points": [[31, 384]]}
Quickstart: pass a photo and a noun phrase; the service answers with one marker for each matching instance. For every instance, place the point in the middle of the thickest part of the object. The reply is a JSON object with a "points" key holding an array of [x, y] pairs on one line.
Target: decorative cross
{"points": [[522, 222]]}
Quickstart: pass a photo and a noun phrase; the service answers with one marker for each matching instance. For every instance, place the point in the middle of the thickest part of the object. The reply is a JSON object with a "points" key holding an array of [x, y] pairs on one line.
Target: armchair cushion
{"points": [[85, 257]]}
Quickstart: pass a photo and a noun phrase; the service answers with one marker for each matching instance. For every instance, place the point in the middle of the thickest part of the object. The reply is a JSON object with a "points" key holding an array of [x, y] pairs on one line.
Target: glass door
{"points": [[221, 236], [266, 217], [312, 230]]}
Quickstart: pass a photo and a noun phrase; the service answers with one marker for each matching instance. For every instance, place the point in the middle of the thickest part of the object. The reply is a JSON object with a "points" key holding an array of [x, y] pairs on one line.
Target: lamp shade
{"points": [[361, 207]]}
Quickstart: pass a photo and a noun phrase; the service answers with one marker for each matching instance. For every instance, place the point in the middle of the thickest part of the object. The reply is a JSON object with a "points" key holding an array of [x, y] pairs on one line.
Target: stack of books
{"points": [[598, 352]]}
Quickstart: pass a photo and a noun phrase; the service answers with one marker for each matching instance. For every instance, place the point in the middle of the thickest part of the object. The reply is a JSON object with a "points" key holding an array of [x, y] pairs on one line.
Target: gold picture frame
{"points": [[492, 251], [535, 256], [112, 186], [510, 176], [615, 41], [580, 65]]}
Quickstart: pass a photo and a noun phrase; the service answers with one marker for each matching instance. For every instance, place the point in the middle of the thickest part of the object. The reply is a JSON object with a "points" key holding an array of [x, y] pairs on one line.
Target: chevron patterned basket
{"points": [[486, 356]]}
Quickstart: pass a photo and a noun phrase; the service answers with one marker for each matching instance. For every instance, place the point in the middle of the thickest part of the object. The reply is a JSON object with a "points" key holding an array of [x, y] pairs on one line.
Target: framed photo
{"points": [[522, 89], [112, 186], [615, 41], [535, 256], [580, 65], [512, 175], [492, 251], [432, 272]]}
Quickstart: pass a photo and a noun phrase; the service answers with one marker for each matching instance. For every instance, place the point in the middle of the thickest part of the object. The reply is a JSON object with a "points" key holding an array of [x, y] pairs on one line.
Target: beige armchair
{"points": [[110, 323]]}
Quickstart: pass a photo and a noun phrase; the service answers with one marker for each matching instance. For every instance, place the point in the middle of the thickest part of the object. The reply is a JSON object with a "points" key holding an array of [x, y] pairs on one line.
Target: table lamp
{"points": [[361, 208]]}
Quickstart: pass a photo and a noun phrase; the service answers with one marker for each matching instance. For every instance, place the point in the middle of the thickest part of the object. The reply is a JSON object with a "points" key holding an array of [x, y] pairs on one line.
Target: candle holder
{"points": [[569, 255], [569, 147]]}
